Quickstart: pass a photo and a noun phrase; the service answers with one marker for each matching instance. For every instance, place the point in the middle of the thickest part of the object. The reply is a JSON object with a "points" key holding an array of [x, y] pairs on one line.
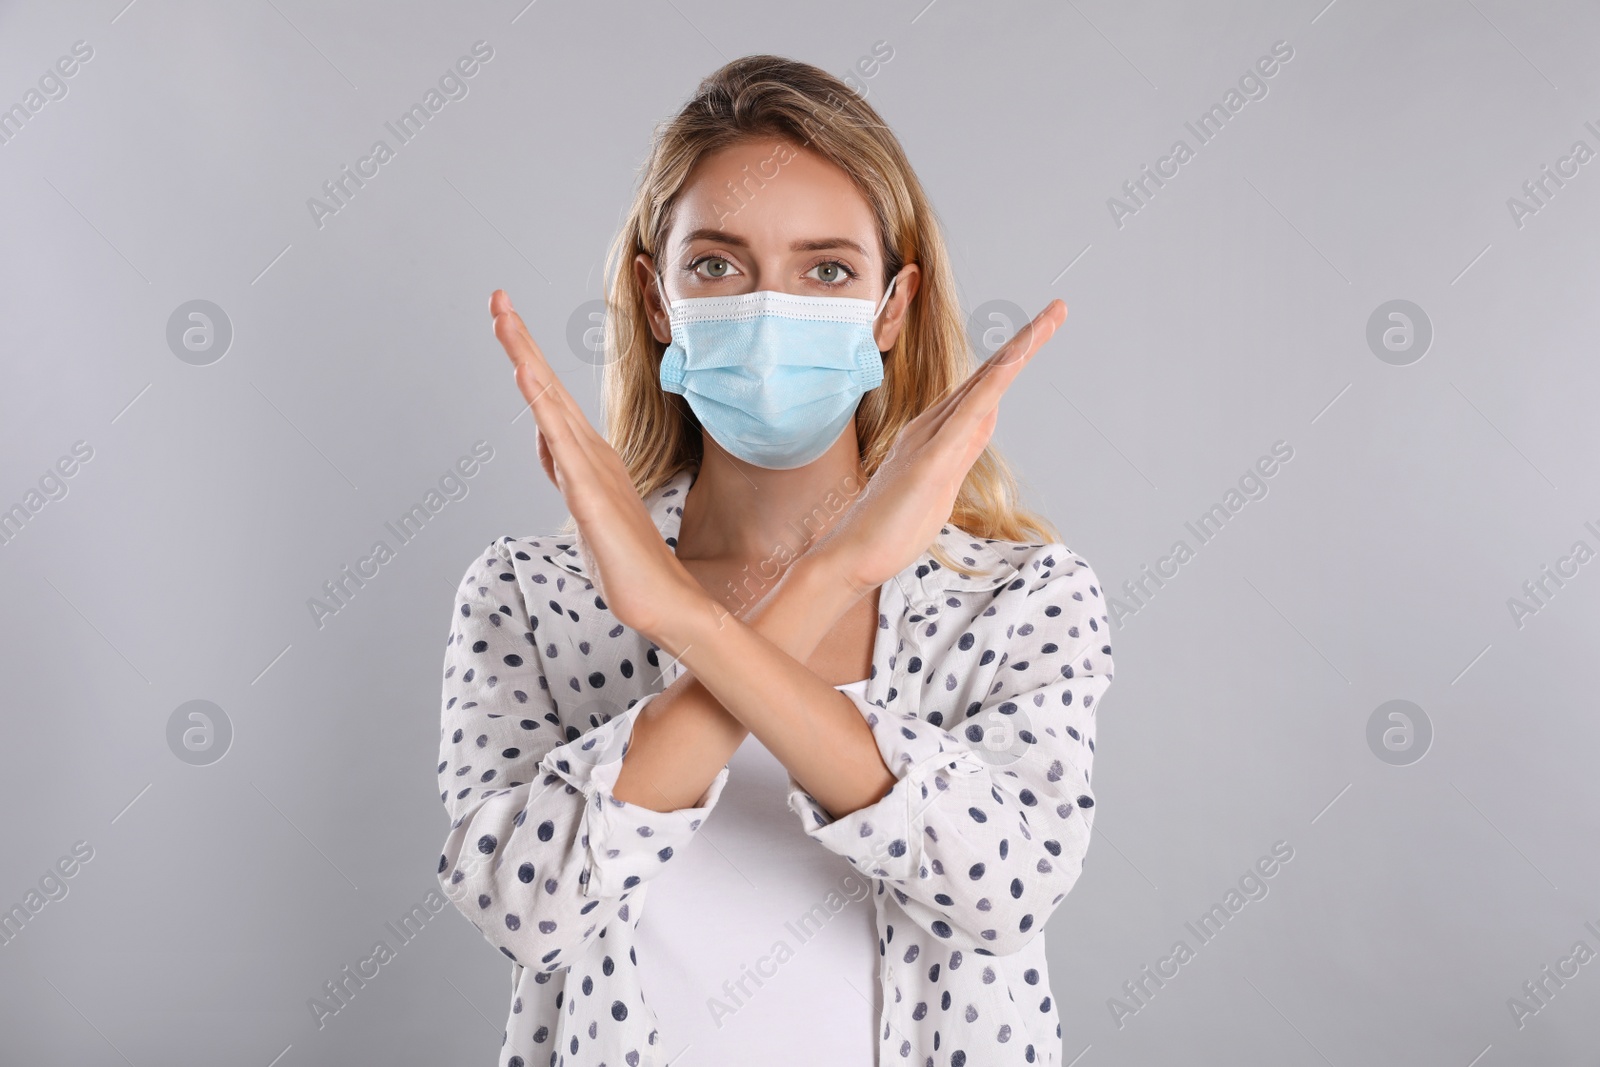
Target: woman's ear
{"points": [[644, 269], [887, 329]]}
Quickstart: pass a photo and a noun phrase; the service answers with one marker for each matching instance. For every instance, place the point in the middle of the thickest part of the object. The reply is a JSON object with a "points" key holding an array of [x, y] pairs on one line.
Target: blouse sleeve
{"points": [[540, 854], [981, 842]]}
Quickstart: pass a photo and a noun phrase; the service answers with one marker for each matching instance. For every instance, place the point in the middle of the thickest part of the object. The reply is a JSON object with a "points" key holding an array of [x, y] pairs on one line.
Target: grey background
{"points": [[1229, 313]]}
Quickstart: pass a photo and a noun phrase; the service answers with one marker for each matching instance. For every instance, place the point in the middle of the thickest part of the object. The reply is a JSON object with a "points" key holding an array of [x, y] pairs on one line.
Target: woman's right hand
{"points": [[912, 494], [637, 573]]}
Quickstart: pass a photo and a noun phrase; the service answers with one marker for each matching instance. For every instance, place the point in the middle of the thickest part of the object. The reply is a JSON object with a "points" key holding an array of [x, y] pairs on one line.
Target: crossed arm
{"points": [[751, 676], [748, 674]]}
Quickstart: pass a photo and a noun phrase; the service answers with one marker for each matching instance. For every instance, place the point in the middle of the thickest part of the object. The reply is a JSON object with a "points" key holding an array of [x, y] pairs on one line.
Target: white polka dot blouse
{"points": [[981, 699]]}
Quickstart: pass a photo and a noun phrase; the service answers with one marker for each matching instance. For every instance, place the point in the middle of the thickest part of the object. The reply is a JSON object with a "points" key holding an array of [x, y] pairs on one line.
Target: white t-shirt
{"points": [[759, 946]]}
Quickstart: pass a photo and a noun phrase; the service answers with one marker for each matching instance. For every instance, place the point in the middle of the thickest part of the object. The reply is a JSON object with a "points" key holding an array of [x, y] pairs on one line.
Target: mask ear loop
{"points": [[886, 293], [662, 290]]}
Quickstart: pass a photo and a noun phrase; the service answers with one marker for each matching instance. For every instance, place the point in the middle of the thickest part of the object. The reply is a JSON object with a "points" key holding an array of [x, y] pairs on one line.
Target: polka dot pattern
{"points": [[970, 852]]}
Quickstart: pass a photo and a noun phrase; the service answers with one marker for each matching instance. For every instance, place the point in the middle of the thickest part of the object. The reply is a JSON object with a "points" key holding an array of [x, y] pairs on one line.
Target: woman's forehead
{"points": [[770, 194]]}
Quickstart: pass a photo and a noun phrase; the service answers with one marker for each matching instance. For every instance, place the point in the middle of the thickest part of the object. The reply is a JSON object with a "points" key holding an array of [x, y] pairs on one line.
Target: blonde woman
{"points": [[779, 752]]}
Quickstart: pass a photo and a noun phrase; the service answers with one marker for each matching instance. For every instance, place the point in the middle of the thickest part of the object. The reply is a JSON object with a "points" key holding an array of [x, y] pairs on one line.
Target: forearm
{"points": [[688, 733], [754, 668], [679, 743]]}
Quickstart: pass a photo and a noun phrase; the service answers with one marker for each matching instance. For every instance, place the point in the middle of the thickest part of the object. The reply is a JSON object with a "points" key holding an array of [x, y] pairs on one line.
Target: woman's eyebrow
{"points": [[823, 243], [706, 233], [817, 244]]}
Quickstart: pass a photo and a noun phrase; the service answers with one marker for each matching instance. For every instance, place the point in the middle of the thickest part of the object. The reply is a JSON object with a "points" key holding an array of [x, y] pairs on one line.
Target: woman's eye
{"points": [[833, 272], [716, 267]]}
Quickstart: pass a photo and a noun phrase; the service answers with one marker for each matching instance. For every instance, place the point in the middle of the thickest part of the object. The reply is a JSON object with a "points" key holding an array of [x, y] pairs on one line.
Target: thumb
{"points": [[546, 460]]}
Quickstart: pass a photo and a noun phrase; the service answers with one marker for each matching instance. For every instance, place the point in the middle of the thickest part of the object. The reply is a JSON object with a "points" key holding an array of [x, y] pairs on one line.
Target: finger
{"points": [[572, 454], [997, 372], [1028, 340], [1009, 358], [513, 335], [539, 383], [500, 307], [521, 348], [567, 452], [538, 393], [1012, 356], [979, 396]]}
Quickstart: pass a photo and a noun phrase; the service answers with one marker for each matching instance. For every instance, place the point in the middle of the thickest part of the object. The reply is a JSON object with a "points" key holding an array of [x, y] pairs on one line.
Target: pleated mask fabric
{"points": [[773, 377]]}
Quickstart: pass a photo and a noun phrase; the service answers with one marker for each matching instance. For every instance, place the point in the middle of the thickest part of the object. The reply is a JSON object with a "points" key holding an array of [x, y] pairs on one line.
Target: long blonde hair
{"points": [[766, 95]]}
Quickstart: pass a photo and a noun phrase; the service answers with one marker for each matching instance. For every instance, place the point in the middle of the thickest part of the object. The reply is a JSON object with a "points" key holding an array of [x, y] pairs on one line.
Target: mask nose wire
{"points": [[662, 289]]}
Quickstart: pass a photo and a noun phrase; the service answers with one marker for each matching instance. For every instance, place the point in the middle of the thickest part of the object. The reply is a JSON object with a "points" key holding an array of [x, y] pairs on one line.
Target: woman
{"points": [[794, 590]]}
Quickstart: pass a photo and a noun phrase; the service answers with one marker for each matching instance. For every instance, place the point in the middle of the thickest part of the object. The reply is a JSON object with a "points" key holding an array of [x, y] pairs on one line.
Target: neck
{"points": [[736, 513]]}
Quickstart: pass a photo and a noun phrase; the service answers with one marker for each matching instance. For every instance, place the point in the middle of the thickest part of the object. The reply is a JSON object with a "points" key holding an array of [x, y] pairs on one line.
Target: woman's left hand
{"points": [[632, 566], [912, 493]]}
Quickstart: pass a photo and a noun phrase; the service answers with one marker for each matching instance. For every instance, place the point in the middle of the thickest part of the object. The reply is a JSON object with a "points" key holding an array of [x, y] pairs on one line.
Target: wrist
{"points": [[693, 620], [819, 576], [814, 592]]}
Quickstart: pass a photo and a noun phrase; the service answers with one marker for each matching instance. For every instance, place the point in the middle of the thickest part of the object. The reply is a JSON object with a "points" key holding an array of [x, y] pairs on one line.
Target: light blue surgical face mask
{"points": [[773, 377]]}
